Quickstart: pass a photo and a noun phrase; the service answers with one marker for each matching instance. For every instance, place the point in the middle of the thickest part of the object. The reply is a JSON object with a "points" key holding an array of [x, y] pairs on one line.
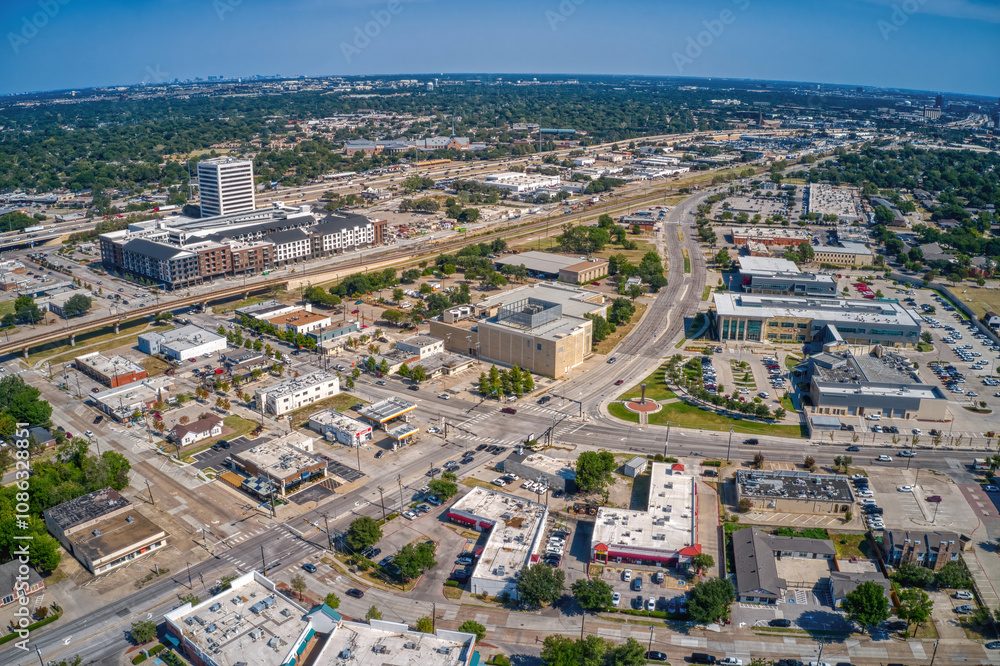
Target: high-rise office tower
{"points": [[226, 186]]}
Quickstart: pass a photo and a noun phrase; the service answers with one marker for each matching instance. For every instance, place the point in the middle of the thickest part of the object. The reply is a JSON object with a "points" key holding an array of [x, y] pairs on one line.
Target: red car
{"points": [[619, 382], [509, 410]]}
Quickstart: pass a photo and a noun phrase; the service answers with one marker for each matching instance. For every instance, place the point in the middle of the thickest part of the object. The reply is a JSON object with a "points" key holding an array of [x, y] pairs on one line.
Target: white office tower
{"points": [[226, 186]]}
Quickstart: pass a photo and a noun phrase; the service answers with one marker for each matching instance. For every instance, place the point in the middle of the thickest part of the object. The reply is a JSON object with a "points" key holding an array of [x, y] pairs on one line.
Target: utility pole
{"points": [[263, 562], [358, 449], [666, 441], [399, 480], [729, 448], [150, 491], [650, 646], [329, 539], [381, 500]]}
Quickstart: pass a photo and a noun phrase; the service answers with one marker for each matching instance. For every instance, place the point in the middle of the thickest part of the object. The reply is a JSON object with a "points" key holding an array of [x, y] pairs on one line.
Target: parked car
{"points": [[702, 658], [655, 655], [780, 622], [731, 661], [965, 595]]}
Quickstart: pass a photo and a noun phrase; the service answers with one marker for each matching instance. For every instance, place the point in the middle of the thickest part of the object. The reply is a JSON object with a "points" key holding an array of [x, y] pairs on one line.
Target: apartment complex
{"points": [[181, 251], [542, 328], [803, 320], [103, 530], [932, 549], [225, 185]]}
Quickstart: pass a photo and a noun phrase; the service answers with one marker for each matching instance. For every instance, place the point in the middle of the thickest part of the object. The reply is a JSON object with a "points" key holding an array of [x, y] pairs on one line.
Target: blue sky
{"points": [[947, 45]]}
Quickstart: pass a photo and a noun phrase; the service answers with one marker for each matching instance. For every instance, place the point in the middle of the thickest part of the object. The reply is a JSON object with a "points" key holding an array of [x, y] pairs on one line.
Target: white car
{"points": [[730, 661], [627, 575], [965, 595], [616, 599], [904, 489], [445, 396], [884, 458]]}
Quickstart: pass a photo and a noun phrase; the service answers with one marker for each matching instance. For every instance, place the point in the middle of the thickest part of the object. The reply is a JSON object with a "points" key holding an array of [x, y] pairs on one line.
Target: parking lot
{"points": [[932, 501], [635, 587]]}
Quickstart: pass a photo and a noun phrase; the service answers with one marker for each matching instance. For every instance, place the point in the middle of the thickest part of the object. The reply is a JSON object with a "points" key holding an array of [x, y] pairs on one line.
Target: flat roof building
{"points": [[766, 275], [181, 344], [846, 255], [334, 426], [112, 371], [252, 623], [515, 525], [520, 183], [541, 328], [225, 185], [103, 530], [291, 394], [386, 411], [122, 402], [770, 236], [883, 383], [794, 319], [787, 491], [548, 265], [664, 534], [286, 462], [301, 321], [421, 345], [842, 202]]}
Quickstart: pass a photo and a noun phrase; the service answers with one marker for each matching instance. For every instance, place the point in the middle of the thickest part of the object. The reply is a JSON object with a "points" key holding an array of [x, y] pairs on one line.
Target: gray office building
{"points": [[882, 383], [766, 275]]}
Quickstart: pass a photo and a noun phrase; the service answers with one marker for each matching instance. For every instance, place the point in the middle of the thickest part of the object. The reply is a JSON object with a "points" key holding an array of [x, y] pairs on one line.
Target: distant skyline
{"points": [[950, 46]]}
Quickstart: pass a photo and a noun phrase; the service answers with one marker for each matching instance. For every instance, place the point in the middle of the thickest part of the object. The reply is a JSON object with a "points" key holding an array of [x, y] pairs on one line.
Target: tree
{"points": [[723, 259], [373, 614], [592, 594], [867, 604], [915, 606], [593, 470], [424, 625], [443, 488], [629, 653], [298, 585], [702, 561], [77, 306], [414, 560], [953, 575], [142, 631], [913, 575], [758, 460], [332, 600], [540, 584], [473, 627], [710, 599], [562, 651], [363, 533], [809, 462]]}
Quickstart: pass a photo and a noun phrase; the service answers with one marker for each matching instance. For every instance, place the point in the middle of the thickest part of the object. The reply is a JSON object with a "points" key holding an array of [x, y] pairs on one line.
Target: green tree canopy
{"points": [[593, 470], [363, 533], [592, 594], [710, 599], [867, 604], [540, 584]]}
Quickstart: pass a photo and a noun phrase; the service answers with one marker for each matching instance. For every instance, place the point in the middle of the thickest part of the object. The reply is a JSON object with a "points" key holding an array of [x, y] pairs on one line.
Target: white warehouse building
{"points": [[181, 344], [335, 426]]}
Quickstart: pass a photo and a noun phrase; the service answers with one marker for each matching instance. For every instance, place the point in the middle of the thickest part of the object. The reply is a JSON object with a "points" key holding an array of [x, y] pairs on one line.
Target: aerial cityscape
{"points": [[571, 333]]}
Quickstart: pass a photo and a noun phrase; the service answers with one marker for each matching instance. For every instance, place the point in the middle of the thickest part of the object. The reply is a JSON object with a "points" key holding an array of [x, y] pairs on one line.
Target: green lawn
{"points": [[6, 307], [792, 361], [786, 402], [687, 262], [706, 292], [656, 388], [239, 425], [683, 415], [341, 402], [620, 411]]}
